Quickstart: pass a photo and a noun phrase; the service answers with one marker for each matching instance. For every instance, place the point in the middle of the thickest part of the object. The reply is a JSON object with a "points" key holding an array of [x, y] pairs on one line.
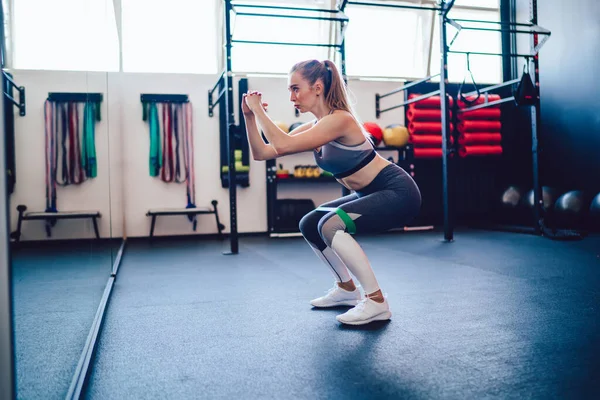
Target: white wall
{"points": [[30, 188], [123, 190]]}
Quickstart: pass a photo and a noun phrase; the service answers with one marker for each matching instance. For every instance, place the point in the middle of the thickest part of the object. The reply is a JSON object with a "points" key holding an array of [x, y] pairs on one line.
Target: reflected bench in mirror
{"points": [[51, 218]]}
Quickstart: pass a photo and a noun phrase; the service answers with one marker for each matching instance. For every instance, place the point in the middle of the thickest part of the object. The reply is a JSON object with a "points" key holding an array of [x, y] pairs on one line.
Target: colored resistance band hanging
{"points": [[176, 142], [155, 161], [70, 146], [90, 163], [185, 111]]}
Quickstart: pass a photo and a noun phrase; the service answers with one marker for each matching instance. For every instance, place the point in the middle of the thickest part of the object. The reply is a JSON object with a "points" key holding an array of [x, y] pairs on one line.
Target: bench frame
{"points": [[184, 211], [94, 215]]}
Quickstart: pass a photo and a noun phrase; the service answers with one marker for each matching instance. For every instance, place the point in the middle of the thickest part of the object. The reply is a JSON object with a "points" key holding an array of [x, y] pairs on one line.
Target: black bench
{"points": [[44, 215], [186, 211]]}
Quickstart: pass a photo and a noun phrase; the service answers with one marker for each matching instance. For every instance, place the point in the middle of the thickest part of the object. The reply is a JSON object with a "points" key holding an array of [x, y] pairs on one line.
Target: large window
{"points": [[64, 35], [262, 58], [177, 36], [404, 43], [485, 68], [387, 42], [184, 36]]}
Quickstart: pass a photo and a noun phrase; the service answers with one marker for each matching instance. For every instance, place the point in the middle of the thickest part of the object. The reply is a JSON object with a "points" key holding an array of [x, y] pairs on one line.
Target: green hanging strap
{"points": [[89, 162], [155, 150], [98, 116], [144, 111]]}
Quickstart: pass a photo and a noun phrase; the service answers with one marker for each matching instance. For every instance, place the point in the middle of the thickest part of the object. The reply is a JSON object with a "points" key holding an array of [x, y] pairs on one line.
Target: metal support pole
{"points": [[8, 386], [345, 191], [230, 130], [535, 124], [448, 229]]}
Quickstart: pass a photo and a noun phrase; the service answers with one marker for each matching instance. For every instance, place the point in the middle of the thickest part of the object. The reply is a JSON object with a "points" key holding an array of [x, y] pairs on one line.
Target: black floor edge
{"points": [[83, 370]]}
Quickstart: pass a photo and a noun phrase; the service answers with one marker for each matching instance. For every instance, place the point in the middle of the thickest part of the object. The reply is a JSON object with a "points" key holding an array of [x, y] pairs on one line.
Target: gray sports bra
{"points": [[342, 160]]}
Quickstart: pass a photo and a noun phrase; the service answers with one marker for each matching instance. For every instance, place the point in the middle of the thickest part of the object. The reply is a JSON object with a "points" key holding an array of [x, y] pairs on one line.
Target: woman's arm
{"points": [[329, 128], [259, 149]]}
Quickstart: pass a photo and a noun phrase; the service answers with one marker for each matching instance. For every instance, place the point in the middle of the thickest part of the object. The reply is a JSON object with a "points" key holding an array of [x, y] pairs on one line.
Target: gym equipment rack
{"points": [[224, 84], [443, 7]]}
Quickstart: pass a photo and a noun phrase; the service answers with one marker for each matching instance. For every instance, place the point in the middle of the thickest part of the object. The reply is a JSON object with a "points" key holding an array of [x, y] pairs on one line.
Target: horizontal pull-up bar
{"points": [[484, 105], [235, 5], [472, 28], [286, 43], [378, 112], [360, 3], [342, 19], [538, 30], [490, 88], [492, 54], [495, 22], [407, 86]]}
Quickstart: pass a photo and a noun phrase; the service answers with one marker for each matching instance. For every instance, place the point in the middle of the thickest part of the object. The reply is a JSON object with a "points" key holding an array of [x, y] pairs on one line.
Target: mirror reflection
{"points": [[59, 196], [60, 223]]}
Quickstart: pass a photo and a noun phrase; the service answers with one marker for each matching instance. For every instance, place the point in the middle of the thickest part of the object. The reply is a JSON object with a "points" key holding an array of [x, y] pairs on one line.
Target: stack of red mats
{"points": [[479, 130], [424, 123]]}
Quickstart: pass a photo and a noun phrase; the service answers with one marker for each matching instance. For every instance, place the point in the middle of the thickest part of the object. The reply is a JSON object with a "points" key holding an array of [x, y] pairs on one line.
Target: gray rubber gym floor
{"points": [[493, 314], [56, 291]]}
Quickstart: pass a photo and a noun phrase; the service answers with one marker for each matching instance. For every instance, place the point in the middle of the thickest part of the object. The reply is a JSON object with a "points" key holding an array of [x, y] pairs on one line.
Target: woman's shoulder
{"points": [[344, 117], [351, 129]]}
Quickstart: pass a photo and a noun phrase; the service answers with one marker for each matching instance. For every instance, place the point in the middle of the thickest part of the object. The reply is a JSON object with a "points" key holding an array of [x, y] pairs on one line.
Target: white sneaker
{"points": [[366, 311], [336, 296]]}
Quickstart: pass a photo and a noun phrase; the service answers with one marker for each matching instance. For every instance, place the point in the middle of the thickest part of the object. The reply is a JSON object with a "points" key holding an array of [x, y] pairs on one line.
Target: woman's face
{"points": [[302, 94]]}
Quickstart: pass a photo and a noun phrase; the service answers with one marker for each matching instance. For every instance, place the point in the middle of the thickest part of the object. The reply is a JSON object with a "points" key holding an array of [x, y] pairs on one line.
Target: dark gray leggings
{"points": [[391, 200]]}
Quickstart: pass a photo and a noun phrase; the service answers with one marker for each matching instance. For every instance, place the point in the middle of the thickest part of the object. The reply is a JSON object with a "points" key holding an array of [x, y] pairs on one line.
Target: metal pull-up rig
{"points": [[443, 7], [224, 83]]}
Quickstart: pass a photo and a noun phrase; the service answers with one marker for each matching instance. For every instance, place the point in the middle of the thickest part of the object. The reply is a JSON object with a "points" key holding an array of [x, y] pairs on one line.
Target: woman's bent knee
{"points": [[309, 229]]}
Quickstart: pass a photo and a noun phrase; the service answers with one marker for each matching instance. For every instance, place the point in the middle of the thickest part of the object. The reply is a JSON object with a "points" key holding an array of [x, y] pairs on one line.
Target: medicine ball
{"points": [[595, 213], [511, 197], [375, 131], [549, 195], [570, 209], [283, 126], [395, 135], [295, 125]]}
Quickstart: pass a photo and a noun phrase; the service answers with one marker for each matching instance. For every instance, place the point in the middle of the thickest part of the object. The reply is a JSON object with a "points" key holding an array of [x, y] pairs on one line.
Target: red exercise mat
{"points": [[430, 102], [480, 100], [416, 128], [491, 113], [479, 138], [479, 150], [424, 114], [427, 140], [419, 152], [479, 126]]}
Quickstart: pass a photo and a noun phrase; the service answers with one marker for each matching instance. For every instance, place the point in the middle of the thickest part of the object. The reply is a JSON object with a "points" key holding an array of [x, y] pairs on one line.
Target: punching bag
{"points": [[525, 95]]}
